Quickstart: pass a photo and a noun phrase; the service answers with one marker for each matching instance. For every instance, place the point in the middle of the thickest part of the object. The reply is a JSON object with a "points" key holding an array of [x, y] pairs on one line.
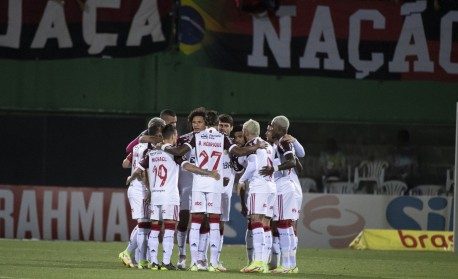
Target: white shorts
{"points": [[270, 210], [225, 206], [165, 212], [205, 202], [286, 207], [185, 198], [260, 203], [137, 201]]}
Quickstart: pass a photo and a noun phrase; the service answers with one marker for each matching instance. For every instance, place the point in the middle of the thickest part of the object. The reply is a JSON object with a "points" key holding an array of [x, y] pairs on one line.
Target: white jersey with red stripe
{"points": [[255, 162], [162, 172], [138, 152], [209, 146]]}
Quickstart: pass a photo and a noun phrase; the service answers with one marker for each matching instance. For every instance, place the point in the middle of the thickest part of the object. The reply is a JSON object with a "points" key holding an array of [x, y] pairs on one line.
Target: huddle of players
{"points": [[209, 161]]}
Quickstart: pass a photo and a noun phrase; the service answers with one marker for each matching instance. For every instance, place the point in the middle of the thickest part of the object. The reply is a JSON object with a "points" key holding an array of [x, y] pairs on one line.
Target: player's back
{"points": [[138, 152], [163, 178], [285, 179], [264, 158], [209, 148]]}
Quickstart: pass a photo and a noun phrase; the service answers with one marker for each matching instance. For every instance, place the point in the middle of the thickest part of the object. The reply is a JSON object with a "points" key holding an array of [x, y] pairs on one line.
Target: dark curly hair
{"points": [[200, 111]]}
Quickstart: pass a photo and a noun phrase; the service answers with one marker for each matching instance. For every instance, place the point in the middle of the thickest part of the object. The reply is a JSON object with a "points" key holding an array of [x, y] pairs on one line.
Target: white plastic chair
{"points": [[371, 171], [340, 187], [307, 184], [427, 190], [393, 188]]}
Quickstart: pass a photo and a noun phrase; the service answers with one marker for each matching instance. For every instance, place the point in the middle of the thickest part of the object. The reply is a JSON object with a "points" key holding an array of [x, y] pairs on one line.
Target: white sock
{"points": [[203, 240], [167, 245], [285, 247], [258, 243], [249, 245], [153, 245], [132, 241], [181, 242], [194, 235], [274, 260], [267, 246], [215, 241], [142, 240], [293, 239], [220, 245]]}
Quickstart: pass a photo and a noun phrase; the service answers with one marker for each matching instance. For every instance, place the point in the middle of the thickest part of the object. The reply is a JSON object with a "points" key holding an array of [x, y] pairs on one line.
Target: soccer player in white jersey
{"points": [[261, 197], [206, 194], [299, 152], [162, 169], [137, 195], [196, 119], [286, 209]]}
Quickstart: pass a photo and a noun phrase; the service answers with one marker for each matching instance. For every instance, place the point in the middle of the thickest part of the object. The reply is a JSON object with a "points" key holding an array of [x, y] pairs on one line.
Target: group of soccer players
{"points": [[177, 180]]}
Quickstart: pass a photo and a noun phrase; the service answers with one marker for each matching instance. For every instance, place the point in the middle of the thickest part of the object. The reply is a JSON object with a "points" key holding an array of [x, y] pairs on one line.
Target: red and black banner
{"points": [[57, 29], [404, 40]]}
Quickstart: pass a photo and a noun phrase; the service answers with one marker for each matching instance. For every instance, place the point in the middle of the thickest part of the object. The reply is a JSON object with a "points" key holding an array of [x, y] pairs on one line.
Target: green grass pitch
{"points": [[67, 259]]}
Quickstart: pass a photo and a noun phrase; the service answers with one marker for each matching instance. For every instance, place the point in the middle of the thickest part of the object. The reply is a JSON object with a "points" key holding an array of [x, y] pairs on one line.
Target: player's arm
{"points": [[239, 151], [298, 148], [127, 162], [136, 174], [243, 201], [250, 169], [139, 172], [181, 149], [289, 163], [248, 174], [176, 150], [194, 169]]}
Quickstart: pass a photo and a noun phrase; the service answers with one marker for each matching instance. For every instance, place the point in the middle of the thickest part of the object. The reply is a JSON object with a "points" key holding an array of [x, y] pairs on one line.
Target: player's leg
{"points": [[275, 256], [198, 207], [204, 231], [170, 217], [271, 198], [144, 226], [287, 212], [293, 233], [249, 243], [214, 217], [225, 213], [153, 239], [257, 209], [182, 227], [125, 256]]}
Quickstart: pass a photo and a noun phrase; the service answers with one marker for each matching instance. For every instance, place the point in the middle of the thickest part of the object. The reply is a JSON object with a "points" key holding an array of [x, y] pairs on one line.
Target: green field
{"points": [[66, 259]]}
